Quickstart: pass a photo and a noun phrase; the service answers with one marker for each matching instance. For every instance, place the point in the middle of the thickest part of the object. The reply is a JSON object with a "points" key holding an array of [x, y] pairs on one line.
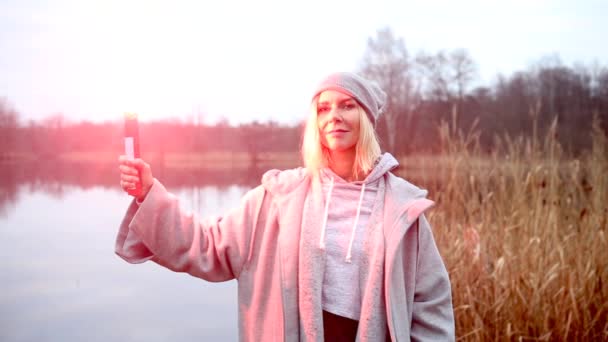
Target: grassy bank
{"points": [[523, 235]]}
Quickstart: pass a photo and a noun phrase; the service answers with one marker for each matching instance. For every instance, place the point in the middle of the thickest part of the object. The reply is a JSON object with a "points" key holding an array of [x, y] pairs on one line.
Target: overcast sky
{"points": [[256, 60]]}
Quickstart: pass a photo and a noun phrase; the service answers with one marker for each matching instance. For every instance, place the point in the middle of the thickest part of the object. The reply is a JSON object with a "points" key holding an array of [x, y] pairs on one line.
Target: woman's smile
{"points": [[337, 132]]}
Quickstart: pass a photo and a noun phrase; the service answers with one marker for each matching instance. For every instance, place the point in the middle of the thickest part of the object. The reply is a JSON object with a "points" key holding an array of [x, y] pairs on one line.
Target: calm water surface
{"points": [[61, 281]]}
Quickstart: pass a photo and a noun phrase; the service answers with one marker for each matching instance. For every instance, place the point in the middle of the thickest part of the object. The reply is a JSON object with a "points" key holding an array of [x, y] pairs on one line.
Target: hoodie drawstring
{"points": [[352, 235], [331, 187], [326, 215]]}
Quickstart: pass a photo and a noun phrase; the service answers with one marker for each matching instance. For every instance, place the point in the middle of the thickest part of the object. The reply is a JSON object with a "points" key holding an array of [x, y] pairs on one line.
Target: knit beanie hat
{"points": [[367, 93]]}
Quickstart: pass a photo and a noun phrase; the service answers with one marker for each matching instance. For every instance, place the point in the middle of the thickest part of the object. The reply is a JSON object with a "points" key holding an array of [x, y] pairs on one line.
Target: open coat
{"points": [[268, 244]]}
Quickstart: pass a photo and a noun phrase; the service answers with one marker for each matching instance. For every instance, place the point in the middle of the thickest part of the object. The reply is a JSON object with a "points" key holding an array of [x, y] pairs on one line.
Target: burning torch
{"points": [[132, 144]]}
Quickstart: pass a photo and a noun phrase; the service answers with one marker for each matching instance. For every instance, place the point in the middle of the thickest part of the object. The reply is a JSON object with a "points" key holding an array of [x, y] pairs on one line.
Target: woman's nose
{"points": [[334, 114]]}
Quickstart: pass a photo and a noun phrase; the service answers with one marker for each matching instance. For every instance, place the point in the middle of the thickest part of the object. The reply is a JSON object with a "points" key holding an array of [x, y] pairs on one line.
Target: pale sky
{"points": [[256, 60]]}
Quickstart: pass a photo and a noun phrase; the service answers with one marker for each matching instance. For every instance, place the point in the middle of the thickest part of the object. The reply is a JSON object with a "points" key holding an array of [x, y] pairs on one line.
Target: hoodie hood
{"points": [[386, 163]]}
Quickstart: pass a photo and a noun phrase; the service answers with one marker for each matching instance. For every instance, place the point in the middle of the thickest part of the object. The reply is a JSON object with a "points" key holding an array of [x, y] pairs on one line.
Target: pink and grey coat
{"points": [[270, 244]]}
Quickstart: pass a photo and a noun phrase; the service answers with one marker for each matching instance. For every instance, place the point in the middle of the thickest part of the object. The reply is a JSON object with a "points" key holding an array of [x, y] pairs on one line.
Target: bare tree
{"points": [[601, 96], [436, 76], [447, 75], [387, 62], [464, 71], [8, 127]]}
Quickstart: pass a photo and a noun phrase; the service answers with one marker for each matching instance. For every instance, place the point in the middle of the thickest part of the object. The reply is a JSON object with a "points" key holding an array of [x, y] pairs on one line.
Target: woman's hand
{"points": [[132, 172]]}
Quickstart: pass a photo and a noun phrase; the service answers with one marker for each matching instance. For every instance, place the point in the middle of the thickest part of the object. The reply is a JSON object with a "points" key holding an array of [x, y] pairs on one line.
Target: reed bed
{"points": [[523, 234]]}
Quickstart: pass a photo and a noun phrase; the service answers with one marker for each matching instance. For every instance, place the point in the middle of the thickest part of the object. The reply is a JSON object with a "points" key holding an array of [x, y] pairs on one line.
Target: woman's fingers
{"points": [[131, 166], [127, 170], [135, 172], [126, 186], [129, 175], [129, 178], [124, 160]]}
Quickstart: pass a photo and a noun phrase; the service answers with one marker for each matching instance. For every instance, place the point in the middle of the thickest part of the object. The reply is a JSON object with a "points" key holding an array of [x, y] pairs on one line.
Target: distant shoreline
{"points": [[187, 160]]}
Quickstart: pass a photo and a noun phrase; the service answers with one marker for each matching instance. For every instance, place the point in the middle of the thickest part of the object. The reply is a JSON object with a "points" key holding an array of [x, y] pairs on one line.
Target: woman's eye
{"points": [[322, 110], [348, 106]]}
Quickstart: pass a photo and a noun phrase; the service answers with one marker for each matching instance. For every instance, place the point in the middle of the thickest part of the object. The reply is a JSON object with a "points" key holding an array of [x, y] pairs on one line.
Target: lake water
{"points": [[61, 281]]}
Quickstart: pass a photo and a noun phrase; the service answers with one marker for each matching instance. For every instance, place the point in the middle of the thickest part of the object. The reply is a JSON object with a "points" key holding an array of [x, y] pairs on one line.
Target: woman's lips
{"points": [[336, 134]]}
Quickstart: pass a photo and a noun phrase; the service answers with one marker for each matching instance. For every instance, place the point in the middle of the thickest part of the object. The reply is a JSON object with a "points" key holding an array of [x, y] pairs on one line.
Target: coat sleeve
{"points": [[213, 249], [432, 314]]}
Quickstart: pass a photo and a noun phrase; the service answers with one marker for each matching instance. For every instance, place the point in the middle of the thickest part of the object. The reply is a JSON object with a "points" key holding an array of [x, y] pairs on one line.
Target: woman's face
{"points": [[338, 121]]}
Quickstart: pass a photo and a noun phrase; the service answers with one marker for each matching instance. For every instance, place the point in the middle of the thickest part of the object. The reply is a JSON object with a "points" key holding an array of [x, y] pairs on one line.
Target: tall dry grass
{"points": [[523, 235]]}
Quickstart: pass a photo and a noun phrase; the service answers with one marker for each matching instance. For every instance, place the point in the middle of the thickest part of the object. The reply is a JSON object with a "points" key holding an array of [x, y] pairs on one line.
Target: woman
{"points": [[339, 250]]}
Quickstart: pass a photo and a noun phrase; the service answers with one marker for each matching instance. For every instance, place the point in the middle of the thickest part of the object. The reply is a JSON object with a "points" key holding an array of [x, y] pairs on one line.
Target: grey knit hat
{"points": [[367, 93]]}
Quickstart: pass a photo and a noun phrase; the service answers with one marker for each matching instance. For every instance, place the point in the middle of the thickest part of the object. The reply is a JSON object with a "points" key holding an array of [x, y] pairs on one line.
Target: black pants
{"points": [[339, 329]]}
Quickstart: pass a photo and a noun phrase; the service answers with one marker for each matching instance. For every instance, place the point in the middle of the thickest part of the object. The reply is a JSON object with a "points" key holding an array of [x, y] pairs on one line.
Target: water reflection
{"points": [[56, 177], [61, 281]]}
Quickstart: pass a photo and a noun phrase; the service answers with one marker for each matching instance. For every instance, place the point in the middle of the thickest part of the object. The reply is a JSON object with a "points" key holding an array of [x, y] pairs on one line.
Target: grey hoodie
{"points": [[270, 245]]}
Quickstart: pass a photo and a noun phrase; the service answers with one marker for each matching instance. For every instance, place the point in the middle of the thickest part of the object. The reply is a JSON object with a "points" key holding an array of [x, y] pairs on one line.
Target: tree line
{"points": [[427, 88], [424, 89], [55, 136]]}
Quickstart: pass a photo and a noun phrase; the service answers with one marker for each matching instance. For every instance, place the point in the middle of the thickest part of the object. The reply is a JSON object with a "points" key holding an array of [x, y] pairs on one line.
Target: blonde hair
{"points": [[316, 156]]}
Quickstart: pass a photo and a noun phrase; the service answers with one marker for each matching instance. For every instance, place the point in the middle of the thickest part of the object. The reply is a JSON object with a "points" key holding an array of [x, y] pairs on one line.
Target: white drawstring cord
{"points": [[352, 236], [331, 187]]}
